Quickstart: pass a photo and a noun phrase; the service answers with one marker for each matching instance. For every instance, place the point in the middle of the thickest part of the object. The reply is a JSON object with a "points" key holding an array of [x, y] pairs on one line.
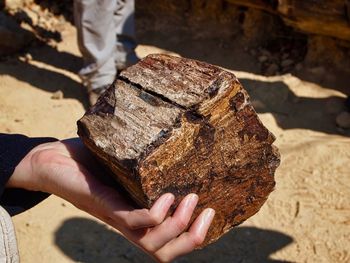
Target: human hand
{"points": [[65, 169]]}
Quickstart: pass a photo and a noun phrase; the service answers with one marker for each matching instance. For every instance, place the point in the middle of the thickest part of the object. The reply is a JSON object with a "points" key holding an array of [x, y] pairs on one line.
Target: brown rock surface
{"points": [[328, 18], [177, 125]]}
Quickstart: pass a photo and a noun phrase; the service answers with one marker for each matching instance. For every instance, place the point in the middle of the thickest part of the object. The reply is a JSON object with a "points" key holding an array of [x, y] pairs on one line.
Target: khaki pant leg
{"points": [[8, 243], [97, 40]]}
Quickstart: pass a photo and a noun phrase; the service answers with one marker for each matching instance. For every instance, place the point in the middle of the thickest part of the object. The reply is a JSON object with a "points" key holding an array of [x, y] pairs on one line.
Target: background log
{"points": [[322, 17], [177, 125]]}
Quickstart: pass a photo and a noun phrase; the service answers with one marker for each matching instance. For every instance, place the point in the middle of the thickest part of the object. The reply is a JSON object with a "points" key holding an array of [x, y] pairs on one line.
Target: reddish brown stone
{"points": [[177, 125]]}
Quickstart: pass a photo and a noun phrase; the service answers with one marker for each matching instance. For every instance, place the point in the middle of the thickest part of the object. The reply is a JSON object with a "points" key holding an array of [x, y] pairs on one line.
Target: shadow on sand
{"points": [[293, 112], [290, 111], [41, 51], [85, 240], [46, 79]]}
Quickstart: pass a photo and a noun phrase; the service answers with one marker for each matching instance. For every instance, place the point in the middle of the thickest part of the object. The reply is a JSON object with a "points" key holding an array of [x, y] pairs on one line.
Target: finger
{"points": [[172, 226], [142, 218], [188, 241]]}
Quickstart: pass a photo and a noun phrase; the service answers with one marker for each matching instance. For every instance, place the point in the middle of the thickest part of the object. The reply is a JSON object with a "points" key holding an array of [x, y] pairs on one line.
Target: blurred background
{"points": [[292, 56]]}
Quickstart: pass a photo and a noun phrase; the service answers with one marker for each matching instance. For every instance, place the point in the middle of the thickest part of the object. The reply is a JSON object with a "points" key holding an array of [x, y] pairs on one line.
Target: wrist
{"points": [[22, 175], [15, 166], [27, 174]]}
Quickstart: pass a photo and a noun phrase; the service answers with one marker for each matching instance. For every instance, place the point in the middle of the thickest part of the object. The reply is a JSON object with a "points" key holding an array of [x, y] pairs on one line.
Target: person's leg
{"points": [[124, 18], [8, 243], [96, 39]]}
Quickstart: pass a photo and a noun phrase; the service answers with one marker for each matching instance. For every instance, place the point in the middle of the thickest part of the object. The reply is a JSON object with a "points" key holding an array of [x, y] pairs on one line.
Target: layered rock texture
{"points": [[171, 124]]}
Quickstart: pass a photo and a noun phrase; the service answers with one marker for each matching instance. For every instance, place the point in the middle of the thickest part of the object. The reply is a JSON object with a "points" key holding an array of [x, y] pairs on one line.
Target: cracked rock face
{"points": [[170, 124]]}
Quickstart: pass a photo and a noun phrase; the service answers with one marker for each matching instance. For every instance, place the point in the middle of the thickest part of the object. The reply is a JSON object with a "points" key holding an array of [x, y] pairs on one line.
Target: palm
{"points": [[66, 169]]}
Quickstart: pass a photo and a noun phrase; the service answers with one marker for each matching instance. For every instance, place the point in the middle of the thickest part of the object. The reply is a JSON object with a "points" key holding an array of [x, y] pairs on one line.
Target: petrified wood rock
{"points": [[177, 125]]}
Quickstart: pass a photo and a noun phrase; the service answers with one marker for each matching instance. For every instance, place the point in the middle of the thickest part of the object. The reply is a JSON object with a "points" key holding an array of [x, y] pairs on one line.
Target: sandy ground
{"points": [[306, 218]]}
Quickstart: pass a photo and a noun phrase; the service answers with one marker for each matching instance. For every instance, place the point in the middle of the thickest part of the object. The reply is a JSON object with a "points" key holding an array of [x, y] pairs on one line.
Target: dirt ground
{"points": [[306, 218]]}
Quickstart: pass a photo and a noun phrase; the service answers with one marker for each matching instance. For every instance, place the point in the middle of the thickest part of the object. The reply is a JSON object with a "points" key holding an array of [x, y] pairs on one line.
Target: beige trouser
{"points": [[8, 243], [106, 39]]}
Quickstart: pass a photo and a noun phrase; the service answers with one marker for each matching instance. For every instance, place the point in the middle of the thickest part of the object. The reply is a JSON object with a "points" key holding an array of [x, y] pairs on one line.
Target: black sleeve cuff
{"points": [[13, 148]]}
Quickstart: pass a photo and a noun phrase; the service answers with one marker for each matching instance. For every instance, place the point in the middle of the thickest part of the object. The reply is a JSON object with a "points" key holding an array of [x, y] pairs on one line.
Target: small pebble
{"points": [[343, 120], [58, 95]]}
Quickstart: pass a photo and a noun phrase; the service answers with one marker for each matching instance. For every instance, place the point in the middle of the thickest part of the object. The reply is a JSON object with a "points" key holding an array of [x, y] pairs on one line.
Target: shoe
{"points": [[125, 55], [130, 60], [94, 94]]}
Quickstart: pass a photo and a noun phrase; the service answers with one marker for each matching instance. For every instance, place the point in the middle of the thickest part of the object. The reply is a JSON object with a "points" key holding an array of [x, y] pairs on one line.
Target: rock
{"points": [[329, 52], [254, 35], [322, 17], [58, 95], [177, 125], [343, 120], [272, 69]]}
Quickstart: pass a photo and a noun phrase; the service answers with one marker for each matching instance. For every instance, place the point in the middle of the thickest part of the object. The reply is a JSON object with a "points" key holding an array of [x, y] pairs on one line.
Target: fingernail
{"points": [[209, 214], [168, 198], [191, 198], [207, 218]]}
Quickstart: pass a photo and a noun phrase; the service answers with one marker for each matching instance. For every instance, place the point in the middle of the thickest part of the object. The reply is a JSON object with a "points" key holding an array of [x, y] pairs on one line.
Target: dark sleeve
{"points": [[13, 148]]}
